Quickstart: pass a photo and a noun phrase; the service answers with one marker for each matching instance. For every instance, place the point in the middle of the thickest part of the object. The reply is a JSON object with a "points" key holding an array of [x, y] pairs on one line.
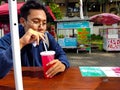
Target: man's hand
{"points": [[56, 67], [31, 36]]}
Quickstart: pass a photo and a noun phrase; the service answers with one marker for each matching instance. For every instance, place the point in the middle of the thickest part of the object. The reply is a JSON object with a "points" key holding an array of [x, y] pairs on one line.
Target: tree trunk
{"points": [[66, 4], [85, 8]]}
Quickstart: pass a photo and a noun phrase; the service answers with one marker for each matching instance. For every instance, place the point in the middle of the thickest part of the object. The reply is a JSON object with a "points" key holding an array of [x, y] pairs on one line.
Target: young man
{"points": [[32, 29]]}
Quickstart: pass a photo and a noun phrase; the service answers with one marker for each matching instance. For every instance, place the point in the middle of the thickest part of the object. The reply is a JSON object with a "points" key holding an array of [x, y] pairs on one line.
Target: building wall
{"points": [[108, 6]]}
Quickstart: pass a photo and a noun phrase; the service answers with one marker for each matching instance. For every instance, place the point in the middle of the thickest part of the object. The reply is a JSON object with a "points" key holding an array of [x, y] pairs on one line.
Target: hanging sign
{"points": [[72, 25]]}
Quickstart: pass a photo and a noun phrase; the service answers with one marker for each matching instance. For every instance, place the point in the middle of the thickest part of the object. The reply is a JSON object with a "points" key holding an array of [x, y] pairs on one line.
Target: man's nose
{"points": [[40, 26]]}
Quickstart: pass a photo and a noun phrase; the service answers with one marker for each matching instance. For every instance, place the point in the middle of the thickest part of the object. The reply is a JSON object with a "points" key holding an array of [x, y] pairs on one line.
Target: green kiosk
{"points": [[74, 34]]}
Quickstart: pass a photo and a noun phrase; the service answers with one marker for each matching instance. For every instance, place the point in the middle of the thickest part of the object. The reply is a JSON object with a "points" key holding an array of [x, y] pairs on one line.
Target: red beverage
{"points": [[47, 56]]}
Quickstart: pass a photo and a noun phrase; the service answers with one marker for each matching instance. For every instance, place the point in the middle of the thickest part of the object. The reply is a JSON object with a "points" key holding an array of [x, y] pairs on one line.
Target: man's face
{"points": [[36, 20]]}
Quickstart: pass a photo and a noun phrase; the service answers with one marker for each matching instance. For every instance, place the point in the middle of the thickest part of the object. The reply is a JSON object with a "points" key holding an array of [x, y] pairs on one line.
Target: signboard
{"points": [[68, 42], [113, 44], [112, 39], [112, 32], [72, 25], [83, 38]]}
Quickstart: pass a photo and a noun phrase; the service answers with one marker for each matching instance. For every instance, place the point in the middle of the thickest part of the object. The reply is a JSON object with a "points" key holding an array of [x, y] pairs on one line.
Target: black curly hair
{"points": [[31, 4]]}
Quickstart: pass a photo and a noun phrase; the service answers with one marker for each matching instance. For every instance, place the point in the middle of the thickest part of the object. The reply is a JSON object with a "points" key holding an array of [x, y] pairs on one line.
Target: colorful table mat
{"points": [[89, 71]]}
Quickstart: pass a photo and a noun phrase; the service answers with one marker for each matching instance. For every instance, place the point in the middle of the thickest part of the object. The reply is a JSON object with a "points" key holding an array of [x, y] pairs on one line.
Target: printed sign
{"points": [[72, 25], [113, 44], [67, 42], [83, 38]]}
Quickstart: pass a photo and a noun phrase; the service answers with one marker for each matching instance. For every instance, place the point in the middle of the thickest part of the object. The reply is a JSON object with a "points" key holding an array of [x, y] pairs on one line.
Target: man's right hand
{"points": [[31, 36]]}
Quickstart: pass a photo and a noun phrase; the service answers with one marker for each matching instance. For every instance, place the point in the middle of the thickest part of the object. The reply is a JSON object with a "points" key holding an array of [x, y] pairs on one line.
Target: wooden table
{"points": [[71, 79]]}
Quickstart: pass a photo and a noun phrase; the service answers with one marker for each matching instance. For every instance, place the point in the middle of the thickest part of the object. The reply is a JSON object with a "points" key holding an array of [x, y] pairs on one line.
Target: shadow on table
{"points": [[6, 88], [33, 74]]}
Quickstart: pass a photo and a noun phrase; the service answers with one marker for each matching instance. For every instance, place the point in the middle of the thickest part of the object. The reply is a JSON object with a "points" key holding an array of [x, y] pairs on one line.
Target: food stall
{"points": [[74, 34], [111, 39]]}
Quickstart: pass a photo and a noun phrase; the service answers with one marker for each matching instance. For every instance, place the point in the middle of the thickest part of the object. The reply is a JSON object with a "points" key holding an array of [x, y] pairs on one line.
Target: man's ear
{"points": [[22, 21]]}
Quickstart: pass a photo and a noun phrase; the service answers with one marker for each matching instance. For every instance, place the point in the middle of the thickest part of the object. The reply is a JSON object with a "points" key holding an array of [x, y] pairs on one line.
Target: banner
{"points": [[72, 25], [83, 38]]}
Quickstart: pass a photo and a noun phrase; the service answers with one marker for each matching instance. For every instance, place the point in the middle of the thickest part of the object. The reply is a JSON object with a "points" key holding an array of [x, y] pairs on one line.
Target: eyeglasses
{"points": [[37, 22]]}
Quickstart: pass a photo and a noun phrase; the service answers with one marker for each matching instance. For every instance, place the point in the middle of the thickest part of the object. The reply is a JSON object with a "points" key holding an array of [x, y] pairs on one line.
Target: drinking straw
{"points": [[45, 46]]}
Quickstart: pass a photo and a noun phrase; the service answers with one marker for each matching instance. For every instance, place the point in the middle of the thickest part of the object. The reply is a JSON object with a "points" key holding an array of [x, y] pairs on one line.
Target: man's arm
{"points": [[6, 61]]}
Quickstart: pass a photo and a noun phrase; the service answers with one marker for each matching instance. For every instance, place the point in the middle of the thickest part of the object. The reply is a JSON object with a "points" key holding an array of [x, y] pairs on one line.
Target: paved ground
{"points": [[96, 58]]}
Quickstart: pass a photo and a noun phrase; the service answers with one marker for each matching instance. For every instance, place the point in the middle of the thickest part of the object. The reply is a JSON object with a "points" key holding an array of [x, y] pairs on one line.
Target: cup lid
{"points": [[44, 53]]}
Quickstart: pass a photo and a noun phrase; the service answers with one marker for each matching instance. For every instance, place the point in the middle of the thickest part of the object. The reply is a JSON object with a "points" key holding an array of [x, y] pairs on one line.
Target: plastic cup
{"points": [[46, 56]]}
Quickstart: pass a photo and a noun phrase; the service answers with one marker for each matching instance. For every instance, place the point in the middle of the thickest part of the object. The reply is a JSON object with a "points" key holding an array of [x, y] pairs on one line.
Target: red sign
{"points": [[113, 44]]}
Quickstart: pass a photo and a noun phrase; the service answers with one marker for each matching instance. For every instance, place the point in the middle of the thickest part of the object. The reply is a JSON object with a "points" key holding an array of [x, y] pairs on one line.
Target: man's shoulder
{"points": [[21, 30], [48, 34]]}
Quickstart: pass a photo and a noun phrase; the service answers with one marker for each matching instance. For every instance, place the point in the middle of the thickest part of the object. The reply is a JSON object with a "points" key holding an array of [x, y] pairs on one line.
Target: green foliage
{"points": [[96, 37], [56, 10], [97, 40], [61, 36]]}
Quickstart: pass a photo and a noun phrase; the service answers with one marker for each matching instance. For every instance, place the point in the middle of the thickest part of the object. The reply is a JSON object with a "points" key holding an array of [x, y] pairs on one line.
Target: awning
{"points": [[5, 11], [4, 8], [51, 14]]}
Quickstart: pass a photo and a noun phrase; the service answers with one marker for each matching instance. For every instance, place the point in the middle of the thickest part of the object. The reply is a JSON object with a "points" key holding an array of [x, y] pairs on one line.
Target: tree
{"points": [[85, 2], [103, 3], [56, 10]]}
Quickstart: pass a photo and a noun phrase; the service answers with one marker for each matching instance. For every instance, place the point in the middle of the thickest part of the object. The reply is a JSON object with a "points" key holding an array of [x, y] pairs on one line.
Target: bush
{"points": [[56, 10], [96, 37], [97, 40]]}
